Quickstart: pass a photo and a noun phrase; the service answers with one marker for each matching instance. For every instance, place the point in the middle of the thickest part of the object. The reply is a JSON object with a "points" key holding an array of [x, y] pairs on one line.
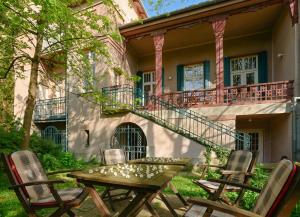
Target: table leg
{"points": [[134, 205], [103, 210], [151, 209], [166, 202], [173, 188]]}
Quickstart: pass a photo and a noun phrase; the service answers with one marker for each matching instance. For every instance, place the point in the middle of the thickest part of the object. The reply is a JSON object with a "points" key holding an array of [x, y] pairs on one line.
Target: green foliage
{"points": [[41, 146], [50, 162], [68, 160], [10, 139]]}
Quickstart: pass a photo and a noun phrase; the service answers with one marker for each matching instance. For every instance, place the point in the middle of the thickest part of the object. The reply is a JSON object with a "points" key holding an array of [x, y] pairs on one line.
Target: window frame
{"points": [[243, 72], [202, 73]]}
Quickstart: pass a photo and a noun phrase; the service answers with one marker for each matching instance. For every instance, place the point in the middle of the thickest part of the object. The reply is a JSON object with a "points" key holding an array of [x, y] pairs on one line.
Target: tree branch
{"points": [[13, 63], [18, 13]]}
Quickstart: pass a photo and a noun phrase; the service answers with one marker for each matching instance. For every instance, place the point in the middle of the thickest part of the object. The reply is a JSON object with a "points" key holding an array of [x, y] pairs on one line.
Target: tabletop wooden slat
{"points": [[155, 182], [162, 160]]}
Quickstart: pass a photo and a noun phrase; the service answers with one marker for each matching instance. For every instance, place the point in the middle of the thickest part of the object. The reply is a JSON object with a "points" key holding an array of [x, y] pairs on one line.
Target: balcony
{"points": [[50, 110], [281, 91]]}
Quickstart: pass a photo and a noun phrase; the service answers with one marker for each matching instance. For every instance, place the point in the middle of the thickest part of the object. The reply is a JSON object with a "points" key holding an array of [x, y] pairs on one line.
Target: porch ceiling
{"points": [[201, 33]]}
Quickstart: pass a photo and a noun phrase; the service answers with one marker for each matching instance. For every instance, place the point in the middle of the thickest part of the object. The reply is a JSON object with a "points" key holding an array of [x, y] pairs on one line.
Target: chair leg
{"points": [[59, 212], [70, 213], [110, 201]]}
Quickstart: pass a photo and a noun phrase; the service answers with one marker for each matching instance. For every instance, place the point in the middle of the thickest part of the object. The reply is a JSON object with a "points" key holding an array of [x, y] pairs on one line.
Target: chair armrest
{"points": [[63, 171], [234, 172], [46, 182], [224, 208], [216, 166], [223, 181]]}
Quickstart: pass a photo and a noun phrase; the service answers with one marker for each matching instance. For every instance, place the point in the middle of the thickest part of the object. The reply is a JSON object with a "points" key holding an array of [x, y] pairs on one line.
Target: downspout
{"points": [[296, 129]]}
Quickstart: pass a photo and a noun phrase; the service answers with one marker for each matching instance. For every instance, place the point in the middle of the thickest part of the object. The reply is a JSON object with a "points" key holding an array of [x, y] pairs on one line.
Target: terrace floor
{"points": [[89, 209]]}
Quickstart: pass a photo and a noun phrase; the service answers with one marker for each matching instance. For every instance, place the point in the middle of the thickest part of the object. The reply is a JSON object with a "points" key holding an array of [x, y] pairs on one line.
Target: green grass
{"points": [[11, 207]]}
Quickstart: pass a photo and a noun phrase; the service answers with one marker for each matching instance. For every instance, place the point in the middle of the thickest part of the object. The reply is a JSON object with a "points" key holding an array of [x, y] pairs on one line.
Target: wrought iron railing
{"points": [[50, 109], [255, 93], [183, 121]]}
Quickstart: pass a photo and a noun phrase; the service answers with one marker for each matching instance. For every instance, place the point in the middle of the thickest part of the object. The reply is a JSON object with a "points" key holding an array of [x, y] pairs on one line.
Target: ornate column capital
{"points": [[158, 39]]}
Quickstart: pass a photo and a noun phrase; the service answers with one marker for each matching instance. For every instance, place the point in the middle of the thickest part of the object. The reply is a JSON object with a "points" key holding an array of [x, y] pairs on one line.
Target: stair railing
{"points": [[182, 121]]}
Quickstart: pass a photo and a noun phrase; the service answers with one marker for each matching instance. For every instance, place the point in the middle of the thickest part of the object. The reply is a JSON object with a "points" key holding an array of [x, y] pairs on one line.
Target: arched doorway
{"points": [[131, 138], [57, 136]]}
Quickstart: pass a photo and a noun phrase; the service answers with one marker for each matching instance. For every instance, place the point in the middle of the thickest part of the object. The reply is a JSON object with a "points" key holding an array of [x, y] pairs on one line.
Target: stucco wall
{"points": [[283, 36], [281, 137], [86, 116]]}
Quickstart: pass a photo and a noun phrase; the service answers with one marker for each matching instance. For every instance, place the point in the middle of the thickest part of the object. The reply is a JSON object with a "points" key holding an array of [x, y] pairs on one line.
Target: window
{"points": [[193, 77], [244, 70]]}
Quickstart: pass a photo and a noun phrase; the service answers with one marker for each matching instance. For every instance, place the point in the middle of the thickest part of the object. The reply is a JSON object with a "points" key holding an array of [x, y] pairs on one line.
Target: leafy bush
{"points": [[68, 160], [50, 162], [10, 138], [42, 146]]}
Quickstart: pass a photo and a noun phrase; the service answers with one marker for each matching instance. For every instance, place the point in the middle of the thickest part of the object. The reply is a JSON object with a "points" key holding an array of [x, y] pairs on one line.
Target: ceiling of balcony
{"points": [[237, 26]]}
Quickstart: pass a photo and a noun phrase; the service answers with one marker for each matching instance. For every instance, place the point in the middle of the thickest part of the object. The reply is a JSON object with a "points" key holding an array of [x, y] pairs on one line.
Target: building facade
{"points": [[222, 73]]}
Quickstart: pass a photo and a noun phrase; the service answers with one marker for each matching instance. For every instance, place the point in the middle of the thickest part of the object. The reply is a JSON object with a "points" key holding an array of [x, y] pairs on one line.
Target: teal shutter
{"points": [[139, 85], [227, 71], [180, 77], [206, 74], [262, 67], [163, 80]]}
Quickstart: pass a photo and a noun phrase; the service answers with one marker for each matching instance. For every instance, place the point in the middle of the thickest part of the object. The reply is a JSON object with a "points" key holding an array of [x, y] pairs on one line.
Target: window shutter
{"points": [[262, 67], [227, 71], [206, 74], [163, 80], [180, 77], [139, 85]]}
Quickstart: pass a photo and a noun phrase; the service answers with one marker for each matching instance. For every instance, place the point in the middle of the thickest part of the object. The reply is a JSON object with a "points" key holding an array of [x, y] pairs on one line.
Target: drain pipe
{"points": [[296, 129]]}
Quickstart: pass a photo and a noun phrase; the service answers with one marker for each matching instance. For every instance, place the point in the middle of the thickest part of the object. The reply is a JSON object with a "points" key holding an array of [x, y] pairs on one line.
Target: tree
{"points": [[46, 32]]}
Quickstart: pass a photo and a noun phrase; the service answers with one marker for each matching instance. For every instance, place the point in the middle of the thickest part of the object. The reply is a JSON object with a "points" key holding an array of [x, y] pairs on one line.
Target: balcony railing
{"points": [[50, 110], [257, 93]]}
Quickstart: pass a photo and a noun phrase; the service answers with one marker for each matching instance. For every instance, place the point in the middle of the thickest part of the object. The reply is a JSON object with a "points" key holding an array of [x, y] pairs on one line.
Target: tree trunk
{"points": [[32, 90]]}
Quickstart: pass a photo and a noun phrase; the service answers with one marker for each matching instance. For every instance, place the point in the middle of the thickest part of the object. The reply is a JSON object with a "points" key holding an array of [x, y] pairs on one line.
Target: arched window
{"points": [[57, 136], [131, 138]]}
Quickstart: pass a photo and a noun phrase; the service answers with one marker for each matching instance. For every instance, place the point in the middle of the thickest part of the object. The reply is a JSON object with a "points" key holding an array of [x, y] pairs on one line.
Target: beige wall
{"points": [[283, 43], [160, 141], [281, 137]]}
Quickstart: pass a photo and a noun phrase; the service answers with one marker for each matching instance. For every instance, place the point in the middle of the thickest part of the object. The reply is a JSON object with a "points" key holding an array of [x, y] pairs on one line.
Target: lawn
{"points": [[10, 206]]}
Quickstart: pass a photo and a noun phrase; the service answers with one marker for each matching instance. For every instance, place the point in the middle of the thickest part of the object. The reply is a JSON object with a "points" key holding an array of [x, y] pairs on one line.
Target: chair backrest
{"points": [[275, 189], [114, 156], [239, 161], [27, 168]]}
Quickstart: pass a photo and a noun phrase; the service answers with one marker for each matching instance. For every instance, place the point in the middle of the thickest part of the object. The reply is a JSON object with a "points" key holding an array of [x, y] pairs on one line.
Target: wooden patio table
{"points": [[145, 180], [182, 161]]}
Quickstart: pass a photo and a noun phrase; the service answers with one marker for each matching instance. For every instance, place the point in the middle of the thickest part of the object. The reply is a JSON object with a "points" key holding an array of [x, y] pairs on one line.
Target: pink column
{"points": [[158, 39], [219, 28], [293, 5]]}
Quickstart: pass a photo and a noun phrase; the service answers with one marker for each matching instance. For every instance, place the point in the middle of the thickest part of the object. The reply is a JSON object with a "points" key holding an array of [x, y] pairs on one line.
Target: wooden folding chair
{"points": [[278, 198], [114, 156], [238, 169], [33, 188]]}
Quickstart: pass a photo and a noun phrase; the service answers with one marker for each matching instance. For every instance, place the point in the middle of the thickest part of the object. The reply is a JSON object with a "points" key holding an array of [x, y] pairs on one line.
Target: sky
{"points": [[168, 6]]}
